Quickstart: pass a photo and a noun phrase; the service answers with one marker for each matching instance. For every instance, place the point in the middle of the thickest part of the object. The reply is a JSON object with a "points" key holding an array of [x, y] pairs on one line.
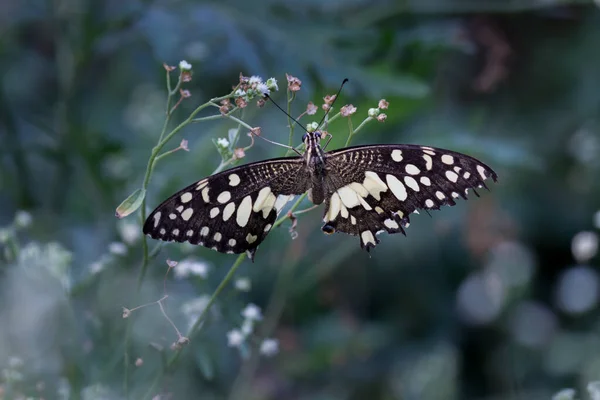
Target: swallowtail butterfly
{"points": [[366, 190]]}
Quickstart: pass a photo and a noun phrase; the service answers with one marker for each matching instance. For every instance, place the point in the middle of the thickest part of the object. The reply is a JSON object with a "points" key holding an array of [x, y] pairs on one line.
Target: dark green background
{"points": [[514, 83]]}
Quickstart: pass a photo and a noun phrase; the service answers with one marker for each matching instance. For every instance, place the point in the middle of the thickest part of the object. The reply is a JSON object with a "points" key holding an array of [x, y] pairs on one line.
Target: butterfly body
{"points": [[366, 190]]}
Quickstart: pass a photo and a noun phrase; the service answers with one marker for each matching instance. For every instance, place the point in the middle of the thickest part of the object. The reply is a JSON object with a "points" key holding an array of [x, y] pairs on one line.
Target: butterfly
{"points": [[366, 189]]}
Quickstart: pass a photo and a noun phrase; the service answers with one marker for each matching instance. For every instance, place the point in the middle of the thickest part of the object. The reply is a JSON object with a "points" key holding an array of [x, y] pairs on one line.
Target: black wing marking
{"points": [[374, 189], [232, 211]]}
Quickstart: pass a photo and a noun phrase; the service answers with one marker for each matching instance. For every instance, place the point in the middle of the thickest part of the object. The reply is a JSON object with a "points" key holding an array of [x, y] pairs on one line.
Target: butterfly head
{"points": [[311, 139]]}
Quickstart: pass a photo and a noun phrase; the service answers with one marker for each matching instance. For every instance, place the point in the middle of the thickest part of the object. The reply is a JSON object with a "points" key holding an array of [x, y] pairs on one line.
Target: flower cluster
{"points": [[376, 112], [238, 337], [252, 87]]}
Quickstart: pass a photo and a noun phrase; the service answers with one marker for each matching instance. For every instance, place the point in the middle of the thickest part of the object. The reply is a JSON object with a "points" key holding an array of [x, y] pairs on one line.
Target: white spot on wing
{"points": [[250, 238], [397, 155], [481, 171], [205, 195], [348, 196], [367, 237], [217, 237], [224, 197], [228, 211], [175, 232], [214, 212], [452, 176], [374, 184], [429, 203], [425, 181], [202, 184], [190, 232], [268, 227], [243, 212], [172, 216], [187, 214], [352, 220], [263, 196], [447, 159], [412, 169], [466, 175], [234, 179], [440, 195], [179, 209], [360, 189], [428, 162], [204, 231], [157, 218], [186, 197], [231, 242], [411, 183], [162, 231], [390, 223], [334, 207], [396, 187]]}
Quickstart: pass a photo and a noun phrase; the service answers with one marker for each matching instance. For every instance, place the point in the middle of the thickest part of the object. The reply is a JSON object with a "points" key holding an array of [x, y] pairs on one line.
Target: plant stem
{"points": [[200, 319]]}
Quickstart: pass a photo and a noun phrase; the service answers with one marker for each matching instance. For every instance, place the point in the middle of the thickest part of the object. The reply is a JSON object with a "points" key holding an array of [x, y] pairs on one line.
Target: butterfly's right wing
{"points": [[374, 188], [232, 211]]}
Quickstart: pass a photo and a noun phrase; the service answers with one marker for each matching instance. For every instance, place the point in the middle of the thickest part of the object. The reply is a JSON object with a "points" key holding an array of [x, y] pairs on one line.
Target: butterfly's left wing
{"points": [[374, 189], [232, 211]]}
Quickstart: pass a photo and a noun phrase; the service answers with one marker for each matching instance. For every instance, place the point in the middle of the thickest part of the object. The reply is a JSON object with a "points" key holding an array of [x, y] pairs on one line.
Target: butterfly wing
{"points": [[232, 211], [373, 189]]}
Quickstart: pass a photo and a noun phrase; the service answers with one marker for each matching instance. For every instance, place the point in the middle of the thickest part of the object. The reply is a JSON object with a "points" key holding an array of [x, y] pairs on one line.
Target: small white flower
{"points": [[96, 267], [239, 93], [593, 389], [313, 126], [243, 284], [184, 65], [373, 112], [247, 327], [584, 246], [252, 312], [254, 79], [272, 84], [188, 267], [22, 219], [117, 248], [15, 362], [223, 142], [235, 338], [262, 88], [269, 347], [129, 232]]}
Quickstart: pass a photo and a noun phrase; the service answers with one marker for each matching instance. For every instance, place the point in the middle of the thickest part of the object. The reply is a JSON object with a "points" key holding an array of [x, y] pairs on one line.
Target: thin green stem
{"points": [[199, 321], [150, 169], [352, 132], [290, 98]]}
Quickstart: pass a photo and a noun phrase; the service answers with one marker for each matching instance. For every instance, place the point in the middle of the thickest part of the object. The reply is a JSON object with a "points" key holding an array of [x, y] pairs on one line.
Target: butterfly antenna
{"points": [[286, 113], [334, 100]]}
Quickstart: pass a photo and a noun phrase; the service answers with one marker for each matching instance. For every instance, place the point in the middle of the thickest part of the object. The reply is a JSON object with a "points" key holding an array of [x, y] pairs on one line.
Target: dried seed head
{"points": [[186, 76], [347, 110], [381, 117], [169, 68], [256, 131], [171, 263], [260, 103], [126, 312], [239, 153], [139, 362], [240, 102], [185, 93], [383, 104], [294, 83], [311, 108]]}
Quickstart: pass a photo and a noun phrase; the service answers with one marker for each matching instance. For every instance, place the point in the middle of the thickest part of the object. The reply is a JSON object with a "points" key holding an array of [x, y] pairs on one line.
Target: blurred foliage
{"points": [[495, 298]]}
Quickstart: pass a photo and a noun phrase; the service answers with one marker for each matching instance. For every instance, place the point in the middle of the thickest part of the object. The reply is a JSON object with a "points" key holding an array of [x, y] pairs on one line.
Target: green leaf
{"points": [[130, 204]]}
